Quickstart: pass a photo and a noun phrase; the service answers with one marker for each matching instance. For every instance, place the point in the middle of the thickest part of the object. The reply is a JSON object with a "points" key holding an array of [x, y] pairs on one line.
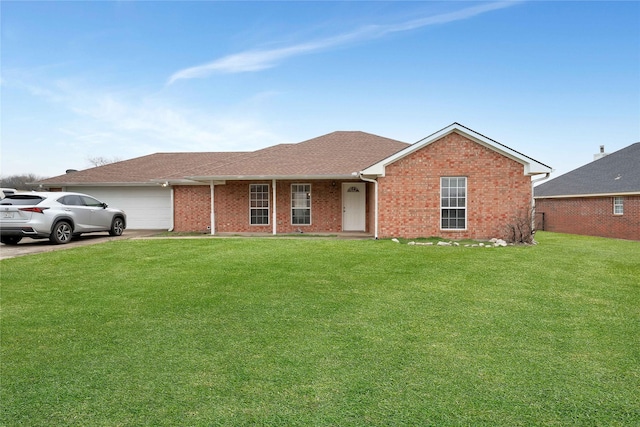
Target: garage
{"points": [[147, 208]]}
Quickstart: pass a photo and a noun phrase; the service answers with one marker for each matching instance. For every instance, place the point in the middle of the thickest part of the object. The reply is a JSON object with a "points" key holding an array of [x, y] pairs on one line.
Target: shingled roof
{"points": [[616, 173], [143, 170], [338, 154]]}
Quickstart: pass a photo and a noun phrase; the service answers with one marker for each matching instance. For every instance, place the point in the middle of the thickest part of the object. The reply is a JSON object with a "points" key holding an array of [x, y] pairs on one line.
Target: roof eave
{"points": [[272, 177], [96, 184], [568, 196], [535, 168]]}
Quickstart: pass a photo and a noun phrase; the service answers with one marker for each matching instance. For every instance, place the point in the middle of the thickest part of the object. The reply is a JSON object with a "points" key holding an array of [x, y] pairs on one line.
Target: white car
{"points": [[4, 192], [58, 216]]}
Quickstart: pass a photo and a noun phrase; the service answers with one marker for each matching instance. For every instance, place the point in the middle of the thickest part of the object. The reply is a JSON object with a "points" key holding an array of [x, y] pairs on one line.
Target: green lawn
{"points": [[322, 332]]}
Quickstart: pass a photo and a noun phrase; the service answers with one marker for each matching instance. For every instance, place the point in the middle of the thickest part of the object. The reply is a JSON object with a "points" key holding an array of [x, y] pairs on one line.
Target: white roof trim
{"points": [[531, 166], [99, 184], [351, 176], [573, 196]]}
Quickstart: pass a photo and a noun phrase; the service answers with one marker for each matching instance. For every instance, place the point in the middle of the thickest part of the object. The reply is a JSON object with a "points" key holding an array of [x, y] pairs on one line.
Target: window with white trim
{"points": [[618, 205], [453, 203], [259, 204], [301, 204]]}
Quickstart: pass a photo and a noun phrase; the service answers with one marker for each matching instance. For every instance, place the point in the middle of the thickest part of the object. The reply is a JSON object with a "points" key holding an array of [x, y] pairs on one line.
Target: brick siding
{"points": [[232, 207], [590, 216], [409, 194], [409, 197], [192, 208]]}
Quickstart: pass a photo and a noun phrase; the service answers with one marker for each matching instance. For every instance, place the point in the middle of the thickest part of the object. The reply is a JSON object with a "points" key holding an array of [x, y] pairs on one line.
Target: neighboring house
{"points": [[455, 183], [601, 198]]}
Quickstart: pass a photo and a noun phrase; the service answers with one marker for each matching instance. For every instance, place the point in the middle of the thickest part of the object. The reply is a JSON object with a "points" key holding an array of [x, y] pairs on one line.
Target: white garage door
{"points": [[147, 208]]}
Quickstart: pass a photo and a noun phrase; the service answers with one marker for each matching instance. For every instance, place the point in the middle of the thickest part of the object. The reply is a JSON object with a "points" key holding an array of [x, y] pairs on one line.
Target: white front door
{"points": [[354, 209]]}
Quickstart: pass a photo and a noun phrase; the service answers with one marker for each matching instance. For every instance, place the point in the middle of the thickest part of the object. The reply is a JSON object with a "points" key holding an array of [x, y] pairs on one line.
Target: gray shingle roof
{"points": [[617, 173]]}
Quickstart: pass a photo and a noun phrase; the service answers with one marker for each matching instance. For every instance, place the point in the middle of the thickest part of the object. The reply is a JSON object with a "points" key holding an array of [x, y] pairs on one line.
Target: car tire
{"points": [[117, 227], [61, 233], [11, 240]]}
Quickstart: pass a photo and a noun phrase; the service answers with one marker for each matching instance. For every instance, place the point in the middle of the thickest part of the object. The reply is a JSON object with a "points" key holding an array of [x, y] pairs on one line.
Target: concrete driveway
{"points": [[29, 246]]}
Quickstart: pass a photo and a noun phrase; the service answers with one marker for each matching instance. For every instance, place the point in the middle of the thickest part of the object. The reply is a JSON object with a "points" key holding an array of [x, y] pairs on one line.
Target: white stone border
{"points": [[493, 243]]}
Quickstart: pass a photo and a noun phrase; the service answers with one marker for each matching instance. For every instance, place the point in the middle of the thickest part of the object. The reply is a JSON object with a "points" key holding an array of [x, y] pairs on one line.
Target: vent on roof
{"points": [[71, 170], [601, 154]]}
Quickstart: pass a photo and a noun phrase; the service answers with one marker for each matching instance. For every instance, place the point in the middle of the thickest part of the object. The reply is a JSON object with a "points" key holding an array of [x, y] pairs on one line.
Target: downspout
{"points": [[533, 200], [213, 206], [375, 203], [275, 204]]}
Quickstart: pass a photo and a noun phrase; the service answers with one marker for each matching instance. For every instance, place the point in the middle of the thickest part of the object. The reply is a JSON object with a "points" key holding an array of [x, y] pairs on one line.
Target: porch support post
{"points": [[375, 209], [275, 208], [375, 203], [173, 210], [213, 205]]}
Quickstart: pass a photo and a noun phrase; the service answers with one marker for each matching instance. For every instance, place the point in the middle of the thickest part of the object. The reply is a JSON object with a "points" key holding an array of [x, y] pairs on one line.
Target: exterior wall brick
{"points": [[590, 216], [409, 194], [409, 197], [192, 207], [193, 204]]}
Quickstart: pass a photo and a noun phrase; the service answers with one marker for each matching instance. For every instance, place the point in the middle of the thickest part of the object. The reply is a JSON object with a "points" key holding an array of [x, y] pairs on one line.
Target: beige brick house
{"points": [[455, 183]]}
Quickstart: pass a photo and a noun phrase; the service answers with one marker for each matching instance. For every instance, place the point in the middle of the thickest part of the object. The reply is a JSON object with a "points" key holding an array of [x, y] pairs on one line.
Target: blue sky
{"points": [[79, 80]]}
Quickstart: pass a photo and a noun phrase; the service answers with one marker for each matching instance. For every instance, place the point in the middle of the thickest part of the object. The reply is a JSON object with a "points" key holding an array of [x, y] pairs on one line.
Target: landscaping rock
{"points": [[493, 243]]}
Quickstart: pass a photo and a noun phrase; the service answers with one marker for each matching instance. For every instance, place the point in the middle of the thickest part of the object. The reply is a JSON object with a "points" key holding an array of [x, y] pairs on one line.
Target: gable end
{"points": [[530, 166]]}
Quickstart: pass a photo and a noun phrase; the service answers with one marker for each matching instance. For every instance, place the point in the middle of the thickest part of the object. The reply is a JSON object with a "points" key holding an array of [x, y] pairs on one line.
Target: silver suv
{"points": [[56, 216]]}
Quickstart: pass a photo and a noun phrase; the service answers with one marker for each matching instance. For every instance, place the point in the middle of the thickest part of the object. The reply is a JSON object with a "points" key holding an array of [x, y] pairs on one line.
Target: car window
{"points": [[5, 192], [90, 201], [21, 199], [71, 200]]}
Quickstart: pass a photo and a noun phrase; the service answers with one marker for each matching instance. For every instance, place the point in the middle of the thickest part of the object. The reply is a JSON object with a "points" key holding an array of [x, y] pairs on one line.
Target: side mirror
{"points": [[105, 206]]}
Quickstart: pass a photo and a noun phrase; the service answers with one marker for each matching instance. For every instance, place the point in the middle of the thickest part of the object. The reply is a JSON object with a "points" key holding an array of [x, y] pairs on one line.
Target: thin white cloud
{"points": [[256, 60], [129, 123], [162, 125]]}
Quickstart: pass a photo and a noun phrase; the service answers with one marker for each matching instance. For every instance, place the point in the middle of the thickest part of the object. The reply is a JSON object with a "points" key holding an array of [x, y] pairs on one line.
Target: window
{"points": [[618, 205], [71, 200], [90, 201], [453, 203], [301, 204], [259, 204]]}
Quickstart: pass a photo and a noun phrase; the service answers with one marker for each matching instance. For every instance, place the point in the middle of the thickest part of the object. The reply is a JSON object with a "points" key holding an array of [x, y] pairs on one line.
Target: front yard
{"points": [[319, 332]]}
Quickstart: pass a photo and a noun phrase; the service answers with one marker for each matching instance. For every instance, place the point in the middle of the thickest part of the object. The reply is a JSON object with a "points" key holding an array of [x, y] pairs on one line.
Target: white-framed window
{"points": [[259, 204], [618, 205], [453, 203], [301, 204]]}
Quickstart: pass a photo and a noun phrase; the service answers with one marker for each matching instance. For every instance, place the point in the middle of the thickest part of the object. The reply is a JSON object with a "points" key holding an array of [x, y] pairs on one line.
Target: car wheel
{"points": [[117, 227], [11, 240], [61, 233]]}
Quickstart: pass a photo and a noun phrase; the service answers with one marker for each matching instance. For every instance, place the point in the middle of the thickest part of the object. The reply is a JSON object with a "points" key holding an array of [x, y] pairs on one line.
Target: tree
{"points": [[521, 229], [20, 182], [101, 161]]}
